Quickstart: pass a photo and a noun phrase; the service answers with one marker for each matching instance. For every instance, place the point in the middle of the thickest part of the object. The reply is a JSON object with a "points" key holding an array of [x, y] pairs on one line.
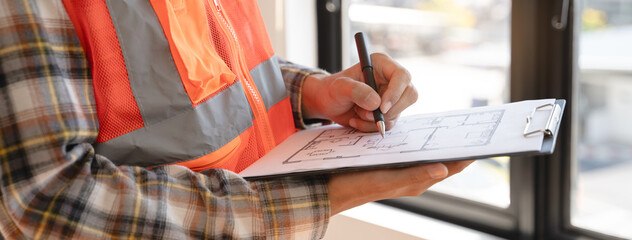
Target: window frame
{"points": [[543, 65]]}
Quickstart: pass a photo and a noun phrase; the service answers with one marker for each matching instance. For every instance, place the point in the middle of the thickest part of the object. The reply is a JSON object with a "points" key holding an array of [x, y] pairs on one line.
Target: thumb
{"points": [[346, 89]]}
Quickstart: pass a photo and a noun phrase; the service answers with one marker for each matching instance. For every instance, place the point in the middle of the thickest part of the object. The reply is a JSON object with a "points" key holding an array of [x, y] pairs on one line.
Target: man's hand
{"points": [[346, 99], [348, 190]]}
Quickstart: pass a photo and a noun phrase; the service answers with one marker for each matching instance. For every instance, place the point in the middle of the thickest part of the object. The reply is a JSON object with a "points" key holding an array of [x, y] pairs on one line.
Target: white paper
{"points": [[480, 131]]}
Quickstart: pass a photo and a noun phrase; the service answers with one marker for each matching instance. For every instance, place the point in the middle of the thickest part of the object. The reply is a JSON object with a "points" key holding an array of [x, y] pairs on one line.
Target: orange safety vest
{"points": [[188, 82]]}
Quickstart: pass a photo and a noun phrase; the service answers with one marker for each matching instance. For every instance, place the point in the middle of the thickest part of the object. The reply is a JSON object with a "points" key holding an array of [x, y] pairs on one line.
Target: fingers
{"points": [[346, 90], [409, 97], [399, 91], [367, 117], [350, 101], [417, 179], [369, 125], [457, 166], [437, 171], [387, 183], [381, 184], [423, 173]]}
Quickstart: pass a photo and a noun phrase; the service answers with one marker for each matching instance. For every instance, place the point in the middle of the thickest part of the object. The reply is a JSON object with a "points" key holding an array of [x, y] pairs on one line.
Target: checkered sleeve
{"points": [[53, 185], [294, 76]]}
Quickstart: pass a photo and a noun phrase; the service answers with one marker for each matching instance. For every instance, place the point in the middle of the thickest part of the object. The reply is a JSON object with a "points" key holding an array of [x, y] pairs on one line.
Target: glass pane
{"points": [[601, 193], [458, 54]]}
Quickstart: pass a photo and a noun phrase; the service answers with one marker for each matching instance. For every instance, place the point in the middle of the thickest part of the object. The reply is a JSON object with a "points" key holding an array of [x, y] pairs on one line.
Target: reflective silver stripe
{"points": [[175, 131], [152, 73], [267, 76], [190, 135]]}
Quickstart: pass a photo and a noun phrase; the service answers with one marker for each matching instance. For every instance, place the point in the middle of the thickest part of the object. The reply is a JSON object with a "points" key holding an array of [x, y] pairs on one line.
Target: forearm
{"points": [[92, 198]]}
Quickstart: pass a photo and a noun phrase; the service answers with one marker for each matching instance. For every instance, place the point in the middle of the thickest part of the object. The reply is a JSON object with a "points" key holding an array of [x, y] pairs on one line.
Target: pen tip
{"points": [[381, 128]]}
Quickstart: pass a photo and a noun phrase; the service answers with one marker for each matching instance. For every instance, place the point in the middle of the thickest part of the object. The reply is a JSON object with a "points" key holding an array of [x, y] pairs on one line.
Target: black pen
{"points": [[367, 71]]}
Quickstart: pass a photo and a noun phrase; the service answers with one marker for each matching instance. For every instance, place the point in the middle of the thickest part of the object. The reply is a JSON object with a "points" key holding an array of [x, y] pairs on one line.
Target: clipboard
{"points": [[540, 119], [552, 126]]}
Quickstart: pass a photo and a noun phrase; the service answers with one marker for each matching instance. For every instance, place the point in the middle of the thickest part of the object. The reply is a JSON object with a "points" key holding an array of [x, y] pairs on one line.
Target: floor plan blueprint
{"points": [[472, 133], [410, 134]]}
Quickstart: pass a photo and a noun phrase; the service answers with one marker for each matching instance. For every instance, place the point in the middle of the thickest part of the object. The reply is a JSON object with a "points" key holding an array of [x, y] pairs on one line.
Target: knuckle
{"points": [[378, 55], [392, 98], [414, 94], [407, 76]]}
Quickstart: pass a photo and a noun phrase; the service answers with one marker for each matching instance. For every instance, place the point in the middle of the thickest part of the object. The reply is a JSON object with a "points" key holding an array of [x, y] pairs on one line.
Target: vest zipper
{"points": [[256, 103]]}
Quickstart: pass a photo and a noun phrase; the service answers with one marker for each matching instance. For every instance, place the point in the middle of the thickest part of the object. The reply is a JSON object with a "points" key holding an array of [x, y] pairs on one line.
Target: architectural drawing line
{"points": [[410, 135]]}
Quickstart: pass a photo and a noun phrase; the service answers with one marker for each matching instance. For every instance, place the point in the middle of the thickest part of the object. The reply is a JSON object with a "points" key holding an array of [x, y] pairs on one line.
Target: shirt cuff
{"points": [[295, 208], [294, 76]]}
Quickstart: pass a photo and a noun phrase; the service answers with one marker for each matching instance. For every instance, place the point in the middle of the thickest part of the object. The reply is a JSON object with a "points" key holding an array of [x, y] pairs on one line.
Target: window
{"points": [[458, 55], [575, 50], [602, 160]]}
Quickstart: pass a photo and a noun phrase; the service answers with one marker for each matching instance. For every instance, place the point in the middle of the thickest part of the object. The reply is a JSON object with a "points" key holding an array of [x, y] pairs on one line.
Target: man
{"points": [[106, 107]]}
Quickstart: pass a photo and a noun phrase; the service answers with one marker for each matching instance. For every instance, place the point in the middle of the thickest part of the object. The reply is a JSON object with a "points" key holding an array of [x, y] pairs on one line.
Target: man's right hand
{"points": [[348, 190]]}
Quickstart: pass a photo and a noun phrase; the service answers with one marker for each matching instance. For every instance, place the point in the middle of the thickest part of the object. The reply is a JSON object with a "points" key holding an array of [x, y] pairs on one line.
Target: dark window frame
{"points": [[542, 66], [329, 31]]}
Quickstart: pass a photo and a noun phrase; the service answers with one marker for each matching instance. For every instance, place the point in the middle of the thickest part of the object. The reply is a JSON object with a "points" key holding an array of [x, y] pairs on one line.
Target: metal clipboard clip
{"points": [[551, 124]]}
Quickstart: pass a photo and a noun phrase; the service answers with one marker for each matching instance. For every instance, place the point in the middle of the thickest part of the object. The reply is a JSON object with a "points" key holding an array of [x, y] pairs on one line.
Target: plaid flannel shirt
{"points": [[53, 185]]}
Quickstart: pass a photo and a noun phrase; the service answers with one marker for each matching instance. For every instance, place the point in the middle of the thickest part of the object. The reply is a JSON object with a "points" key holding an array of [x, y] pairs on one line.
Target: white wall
{"points": [[292, 29]]}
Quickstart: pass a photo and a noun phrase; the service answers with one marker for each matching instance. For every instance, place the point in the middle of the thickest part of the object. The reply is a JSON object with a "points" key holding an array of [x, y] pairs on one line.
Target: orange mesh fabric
{"points": [[219, 42], [246, 153], [117, 110], [253, 151], [202, 71], [250, 147], [218, 39]]}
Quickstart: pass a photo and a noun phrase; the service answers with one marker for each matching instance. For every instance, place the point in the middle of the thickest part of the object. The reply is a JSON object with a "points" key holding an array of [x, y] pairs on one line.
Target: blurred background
{"points": [[459, 54]]}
